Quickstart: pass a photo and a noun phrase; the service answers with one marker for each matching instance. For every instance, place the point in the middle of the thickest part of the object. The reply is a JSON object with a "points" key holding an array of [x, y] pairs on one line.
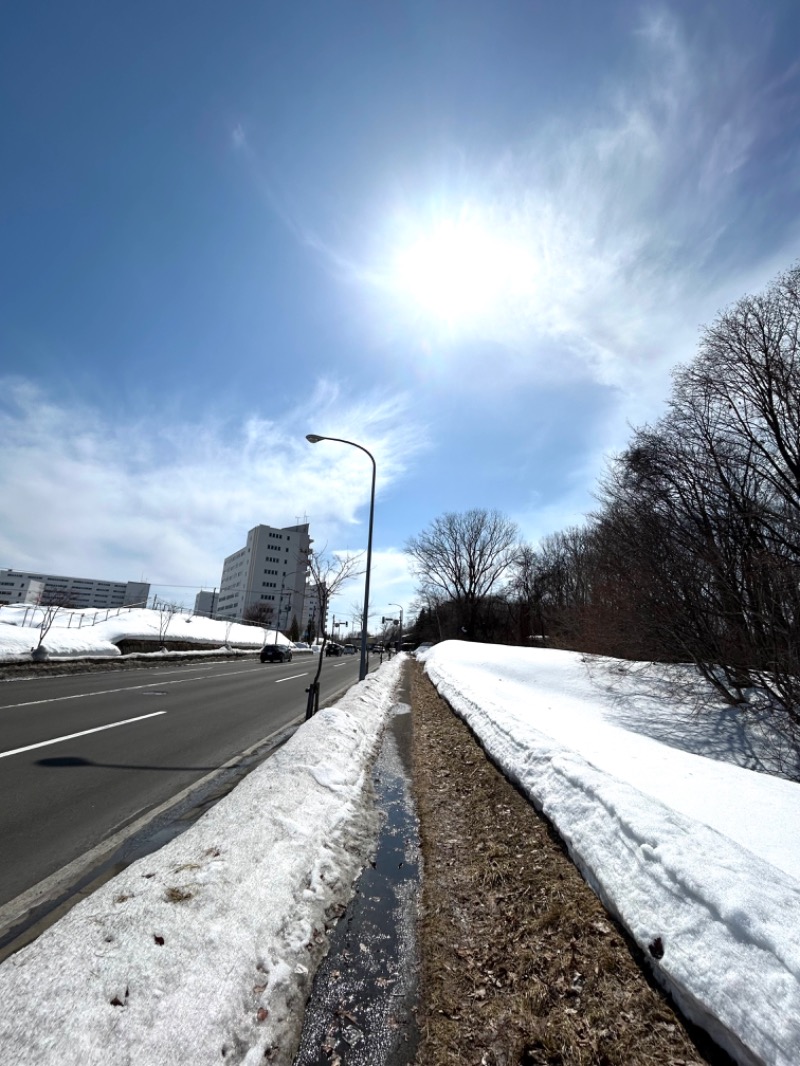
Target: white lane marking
{"points": [[83, 733], [236, 673], [281, 679], [15, 909], [105, 692]]}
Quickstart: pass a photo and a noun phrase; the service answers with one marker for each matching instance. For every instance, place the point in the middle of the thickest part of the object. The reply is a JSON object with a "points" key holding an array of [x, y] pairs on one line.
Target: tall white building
{"points": [[22, 586], [270, 569]]}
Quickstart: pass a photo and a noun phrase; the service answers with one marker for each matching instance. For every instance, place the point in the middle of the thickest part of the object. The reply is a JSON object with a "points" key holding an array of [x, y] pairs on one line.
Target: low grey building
{"points": [[23, 586], [205, 603]]}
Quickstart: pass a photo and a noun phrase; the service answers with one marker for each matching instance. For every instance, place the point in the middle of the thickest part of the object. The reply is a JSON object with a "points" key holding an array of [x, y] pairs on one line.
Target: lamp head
{"points": [[313, 438]]}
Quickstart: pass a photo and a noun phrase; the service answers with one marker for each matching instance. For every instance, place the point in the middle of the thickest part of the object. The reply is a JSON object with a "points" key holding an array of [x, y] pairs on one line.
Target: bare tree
{"points": [[166, 612], [50, 604], [328, 573], [258, 614], [704, 509], [464, 558], [524, 597]]}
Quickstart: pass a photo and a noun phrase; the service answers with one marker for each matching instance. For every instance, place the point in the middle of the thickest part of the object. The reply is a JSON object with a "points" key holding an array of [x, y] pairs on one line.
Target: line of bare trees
{"points": [[693, 553]]}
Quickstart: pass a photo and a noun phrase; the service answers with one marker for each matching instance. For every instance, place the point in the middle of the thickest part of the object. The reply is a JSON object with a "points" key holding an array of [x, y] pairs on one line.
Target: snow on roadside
{"points": [[99, 638], [673, 843], [206, 949]]}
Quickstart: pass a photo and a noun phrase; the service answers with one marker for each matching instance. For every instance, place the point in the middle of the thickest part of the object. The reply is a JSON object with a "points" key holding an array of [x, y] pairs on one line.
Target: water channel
{"points": [[362, 1006]]}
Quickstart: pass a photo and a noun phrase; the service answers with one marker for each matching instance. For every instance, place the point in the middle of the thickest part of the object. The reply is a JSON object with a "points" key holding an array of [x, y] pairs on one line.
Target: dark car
{"points": [[333, 649], [276, 653]]}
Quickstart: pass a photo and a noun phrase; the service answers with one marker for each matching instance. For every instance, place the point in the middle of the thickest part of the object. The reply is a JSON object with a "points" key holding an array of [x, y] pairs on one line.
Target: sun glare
{"points": [[460, 271]]}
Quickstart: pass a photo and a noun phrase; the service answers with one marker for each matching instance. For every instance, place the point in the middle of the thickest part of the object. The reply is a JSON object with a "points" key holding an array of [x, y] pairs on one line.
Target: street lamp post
{"points": [[284, 592], [279, 609], [400, 641], [287, 592], [314, 438]]}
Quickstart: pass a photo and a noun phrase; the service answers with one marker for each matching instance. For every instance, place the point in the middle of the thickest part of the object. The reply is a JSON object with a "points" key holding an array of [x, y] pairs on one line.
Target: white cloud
{"points": [[239, 138], [88, 495], [391, 582], [618, 220]]}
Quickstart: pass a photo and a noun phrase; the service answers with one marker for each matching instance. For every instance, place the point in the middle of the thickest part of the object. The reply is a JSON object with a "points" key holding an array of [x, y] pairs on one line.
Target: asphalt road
{"points": [[85, 756]]}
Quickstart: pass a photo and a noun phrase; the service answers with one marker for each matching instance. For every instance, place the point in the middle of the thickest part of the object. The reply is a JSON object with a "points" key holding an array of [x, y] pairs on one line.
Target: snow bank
{"points": [[68, 639], [682, 849], [206, 949]]}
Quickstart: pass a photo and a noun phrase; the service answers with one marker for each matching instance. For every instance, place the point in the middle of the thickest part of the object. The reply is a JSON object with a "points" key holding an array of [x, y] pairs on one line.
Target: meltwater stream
{"points": [[361, 1011]]}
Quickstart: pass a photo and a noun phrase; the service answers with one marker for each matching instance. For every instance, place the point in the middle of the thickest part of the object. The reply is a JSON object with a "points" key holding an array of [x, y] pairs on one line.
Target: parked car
{"points": [[276, 653]]}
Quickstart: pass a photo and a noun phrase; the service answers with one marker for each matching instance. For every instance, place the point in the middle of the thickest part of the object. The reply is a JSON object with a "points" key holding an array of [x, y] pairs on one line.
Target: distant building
{"points": [[313, 620], [205, 603], [270, 569], [21, 586], [16, 587]]}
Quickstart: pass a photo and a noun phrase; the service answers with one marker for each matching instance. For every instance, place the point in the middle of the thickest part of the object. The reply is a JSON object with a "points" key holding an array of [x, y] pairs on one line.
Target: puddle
{"points": [[361, 1010]]}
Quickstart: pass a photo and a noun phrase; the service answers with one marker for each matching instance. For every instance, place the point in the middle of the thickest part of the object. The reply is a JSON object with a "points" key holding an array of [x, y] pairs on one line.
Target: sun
{"points": [[459, 270]]}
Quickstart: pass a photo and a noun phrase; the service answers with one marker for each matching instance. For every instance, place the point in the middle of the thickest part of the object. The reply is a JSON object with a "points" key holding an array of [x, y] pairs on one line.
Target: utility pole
{"points": [[400, 640]]}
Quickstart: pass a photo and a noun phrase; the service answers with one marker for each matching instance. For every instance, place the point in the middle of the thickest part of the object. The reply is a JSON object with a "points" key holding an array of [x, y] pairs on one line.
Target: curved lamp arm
{"points": [[315, 438]]}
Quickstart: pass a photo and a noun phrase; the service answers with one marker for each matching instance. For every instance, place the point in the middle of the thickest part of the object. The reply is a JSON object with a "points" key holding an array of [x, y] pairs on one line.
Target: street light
{"points": [[315, 438], [284, 592], [400, 641]]}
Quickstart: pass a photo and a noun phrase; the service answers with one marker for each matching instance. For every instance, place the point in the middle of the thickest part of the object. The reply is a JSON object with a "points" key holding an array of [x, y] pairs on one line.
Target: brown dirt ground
{"points": [[520, 963]]}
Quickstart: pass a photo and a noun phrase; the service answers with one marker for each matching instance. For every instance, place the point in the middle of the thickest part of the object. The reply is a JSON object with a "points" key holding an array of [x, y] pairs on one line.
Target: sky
{"points": [[473, 237], [674, 818]]}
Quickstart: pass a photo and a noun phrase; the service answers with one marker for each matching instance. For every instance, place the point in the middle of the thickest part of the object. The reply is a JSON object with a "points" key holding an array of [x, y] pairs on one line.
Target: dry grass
{"points": [[520, 964]]}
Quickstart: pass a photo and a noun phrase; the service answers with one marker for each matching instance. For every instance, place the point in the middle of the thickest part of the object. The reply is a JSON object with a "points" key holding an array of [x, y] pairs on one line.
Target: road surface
{"points": [[87, 758]]}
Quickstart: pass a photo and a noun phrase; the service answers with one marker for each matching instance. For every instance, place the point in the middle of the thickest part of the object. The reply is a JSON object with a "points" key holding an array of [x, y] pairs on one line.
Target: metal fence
{"points": [[76, 619]]}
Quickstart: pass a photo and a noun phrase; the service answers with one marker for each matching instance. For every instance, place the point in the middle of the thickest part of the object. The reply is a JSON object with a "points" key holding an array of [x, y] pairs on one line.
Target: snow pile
{"points": [[698, 858], [206, 949], [75, 633]]}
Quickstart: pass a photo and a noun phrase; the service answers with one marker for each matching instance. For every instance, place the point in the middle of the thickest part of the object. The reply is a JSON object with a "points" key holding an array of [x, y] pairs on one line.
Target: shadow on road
{"points": [[76, 760]]}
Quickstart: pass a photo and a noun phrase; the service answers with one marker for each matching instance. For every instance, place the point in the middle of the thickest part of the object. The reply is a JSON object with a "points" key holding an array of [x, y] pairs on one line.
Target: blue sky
{"points": [[472, 236]]}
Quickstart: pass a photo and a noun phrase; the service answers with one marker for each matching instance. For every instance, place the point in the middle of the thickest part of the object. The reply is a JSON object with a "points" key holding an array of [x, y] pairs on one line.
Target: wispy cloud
{"points": [[239, 138], [629, 223], [86, 494]]}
